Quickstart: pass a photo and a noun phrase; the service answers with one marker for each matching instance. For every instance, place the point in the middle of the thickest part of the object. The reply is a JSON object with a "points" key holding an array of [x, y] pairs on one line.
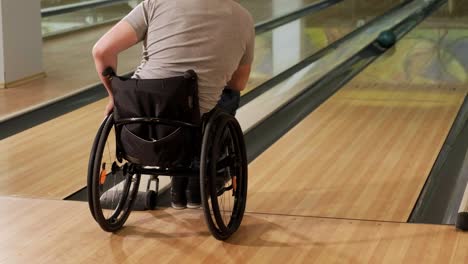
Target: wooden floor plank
{"points": [[46, 231], [50, 161]]}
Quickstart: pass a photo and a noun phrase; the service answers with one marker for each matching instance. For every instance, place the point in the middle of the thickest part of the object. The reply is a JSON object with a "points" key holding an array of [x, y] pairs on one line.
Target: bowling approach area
{"points": [[349, 145]]}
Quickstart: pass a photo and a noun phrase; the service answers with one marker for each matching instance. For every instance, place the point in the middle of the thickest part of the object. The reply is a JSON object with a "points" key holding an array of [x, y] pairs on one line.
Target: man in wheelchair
{"points": [[215, 38]]}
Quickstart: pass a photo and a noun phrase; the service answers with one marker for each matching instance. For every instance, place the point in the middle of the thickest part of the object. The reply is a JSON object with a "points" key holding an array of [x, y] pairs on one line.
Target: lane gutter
{"points": [[443, 190]]}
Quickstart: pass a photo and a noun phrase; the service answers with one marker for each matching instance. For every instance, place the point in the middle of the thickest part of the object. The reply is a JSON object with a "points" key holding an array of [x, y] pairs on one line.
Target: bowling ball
{"points": [[386, 39]]}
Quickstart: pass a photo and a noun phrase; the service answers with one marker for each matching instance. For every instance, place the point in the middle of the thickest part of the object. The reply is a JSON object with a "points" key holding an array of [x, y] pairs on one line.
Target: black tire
{"points": [[223, 142], [151, 200], [92, 157], [112, 194]]}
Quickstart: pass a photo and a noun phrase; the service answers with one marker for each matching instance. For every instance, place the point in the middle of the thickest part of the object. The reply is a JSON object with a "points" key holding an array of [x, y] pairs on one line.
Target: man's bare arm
{"points": [[105, 52]]}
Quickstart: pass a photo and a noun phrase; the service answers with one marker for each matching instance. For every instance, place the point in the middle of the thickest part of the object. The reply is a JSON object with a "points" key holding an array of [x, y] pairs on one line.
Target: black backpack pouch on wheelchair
{"points": [[157, 143]]}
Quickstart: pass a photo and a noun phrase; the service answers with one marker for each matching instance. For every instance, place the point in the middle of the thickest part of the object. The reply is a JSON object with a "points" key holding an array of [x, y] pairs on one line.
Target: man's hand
{"points": [[109, 107]]}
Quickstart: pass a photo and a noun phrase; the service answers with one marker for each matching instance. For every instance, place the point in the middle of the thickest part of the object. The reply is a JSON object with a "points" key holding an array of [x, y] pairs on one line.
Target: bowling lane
{"points": [[54, 155], [367, 151], [45, 231]]}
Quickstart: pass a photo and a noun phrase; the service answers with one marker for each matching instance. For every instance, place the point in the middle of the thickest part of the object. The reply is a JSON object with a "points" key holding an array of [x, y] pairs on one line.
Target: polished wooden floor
{"points": [[50, 160], [45, 231]]}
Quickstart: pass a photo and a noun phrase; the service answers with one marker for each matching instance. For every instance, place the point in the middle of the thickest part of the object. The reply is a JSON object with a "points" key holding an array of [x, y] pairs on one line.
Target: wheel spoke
{"points": [[112, 189], [223, 161]]}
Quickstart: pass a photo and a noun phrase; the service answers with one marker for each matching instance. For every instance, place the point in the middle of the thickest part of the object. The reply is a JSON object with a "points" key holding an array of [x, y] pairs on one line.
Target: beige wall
{"points": [[21, 40]]}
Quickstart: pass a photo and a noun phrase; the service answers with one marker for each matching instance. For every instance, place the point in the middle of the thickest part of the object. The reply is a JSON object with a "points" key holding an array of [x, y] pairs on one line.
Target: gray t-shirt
{"points": [[212, 37]]}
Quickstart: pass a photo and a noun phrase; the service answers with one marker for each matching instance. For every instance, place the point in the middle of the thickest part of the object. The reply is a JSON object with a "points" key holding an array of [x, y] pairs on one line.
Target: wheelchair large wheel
{"points": [[223, 175], [112, 184]]}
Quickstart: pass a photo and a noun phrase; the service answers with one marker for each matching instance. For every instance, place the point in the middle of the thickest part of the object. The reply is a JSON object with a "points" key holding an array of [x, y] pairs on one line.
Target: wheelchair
{"points": [[156, 129]]}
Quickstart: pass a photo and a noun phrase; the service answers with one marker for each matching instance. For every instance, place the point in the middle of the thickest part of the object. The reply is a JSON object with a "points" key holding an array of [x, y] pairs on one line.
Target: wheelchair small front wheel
{"points": [[151, 200], [223, 175], [112, 185]]}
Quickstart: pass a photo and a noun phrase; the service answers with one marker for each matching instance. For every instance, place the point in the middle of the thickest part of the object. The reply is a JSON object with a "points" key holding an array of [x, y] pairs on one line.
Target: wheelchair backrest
{"points": [[151, 144]]}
